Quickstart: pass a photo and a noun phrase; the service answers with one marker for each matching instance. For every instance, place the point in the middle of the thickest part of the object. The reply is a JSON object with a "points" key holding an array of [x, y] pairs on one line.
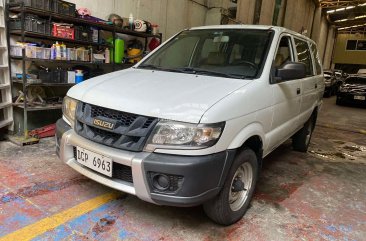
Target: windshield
{"points": [[355, 80], [234, 53]]}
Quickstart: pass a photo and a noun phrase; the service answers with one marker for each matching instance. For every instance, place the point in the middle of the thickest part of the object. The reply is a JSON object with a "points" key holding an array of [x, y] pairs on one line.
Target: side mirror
{"points": [[290, 71]]}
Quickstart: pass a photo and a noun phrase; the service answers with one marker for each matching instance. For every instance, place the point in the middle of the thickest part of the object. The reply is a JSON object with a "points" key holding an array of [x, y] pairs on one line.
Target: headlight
{"points": [[68, 109], [176, 135]]}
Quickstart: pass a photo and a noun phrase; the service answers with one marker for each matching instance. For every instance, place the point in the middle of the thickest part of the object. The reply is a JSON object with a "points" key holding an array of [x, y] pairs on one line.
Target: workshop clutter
{"points": [[56, 6], [57, 51], [32, 23]]}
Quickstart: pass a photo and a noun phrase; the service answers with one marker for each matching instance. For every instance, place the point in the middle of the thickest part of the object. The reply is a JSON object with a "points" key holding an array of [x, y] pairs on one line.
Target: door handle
{"points": [[316, 85], [298, 91]]}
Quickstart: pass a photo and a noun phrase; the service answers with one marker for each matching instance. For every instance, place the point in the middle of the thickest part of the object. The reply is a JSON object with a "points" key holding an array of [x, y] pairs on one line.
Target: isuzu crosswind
{"points": [[191, 123]]}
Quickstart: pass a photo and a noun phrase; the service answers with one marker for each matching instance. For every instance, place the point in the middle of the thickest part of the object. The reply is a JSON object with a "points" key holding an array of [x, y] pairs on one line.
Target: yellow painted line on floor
{"points": [[33, 230]]}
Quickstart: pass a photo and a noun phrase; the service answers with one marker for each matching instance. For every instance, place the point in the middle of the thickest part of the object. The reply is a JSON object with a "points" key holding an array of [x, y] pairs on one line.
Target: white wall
{"points": [[171, 15]]}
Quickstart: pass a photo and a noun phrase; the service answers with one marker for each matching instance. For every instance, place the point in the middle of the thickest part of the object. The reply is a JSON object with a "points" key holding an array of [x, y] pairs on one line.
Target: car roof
{"points": [[250, 26]]}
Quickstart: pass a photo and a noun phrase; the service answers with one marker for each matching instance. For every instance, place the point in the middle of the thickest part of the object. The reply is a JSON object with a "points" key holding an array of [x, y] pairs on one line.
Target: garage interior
{"points": [[318, 195]]}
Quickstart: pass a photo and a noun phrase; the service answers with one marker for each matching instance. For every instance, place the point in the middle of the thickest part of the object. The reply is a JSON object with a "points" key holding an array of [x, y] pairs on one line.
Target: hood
{"points": [[167, 95], [354, 88]]}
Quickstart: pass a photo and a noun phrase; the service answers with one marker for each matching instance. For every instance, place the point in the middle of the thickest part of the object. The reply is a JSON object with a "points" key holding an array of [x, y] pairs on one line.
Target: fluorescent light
{"points": [[362, 16], [350, 7], [360, 5], [330, 11], [341, 20], [340, 9]]}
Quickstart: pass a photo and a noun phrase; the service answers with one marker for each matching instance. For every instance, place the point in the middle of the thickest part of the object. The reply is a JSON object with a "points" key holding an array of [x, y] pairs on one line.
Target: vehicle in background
{"points": [[330, 82], [352, 91], [361, 72]]}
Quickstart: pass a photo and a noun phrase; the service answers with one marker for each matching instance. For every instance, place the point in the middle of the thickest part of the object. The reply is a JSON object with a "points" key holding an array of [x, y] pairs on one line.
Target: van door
{"points": [[286, 97], [309, 84]]}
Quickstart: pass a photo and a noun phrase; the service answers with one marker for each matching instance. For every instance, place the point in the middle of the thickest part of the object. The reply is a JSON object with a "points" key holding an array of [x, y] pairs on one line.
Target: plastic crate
{"points": [[32, 23], [83, 34], [37, 4], [16, 51], [63, 7], [53, 76]]}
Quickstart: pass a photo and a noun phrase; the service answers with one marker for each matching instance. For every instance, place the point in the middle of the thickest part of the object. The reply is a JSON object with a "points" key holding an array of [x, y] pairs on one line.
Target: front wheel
{"points": [[232, 202]]}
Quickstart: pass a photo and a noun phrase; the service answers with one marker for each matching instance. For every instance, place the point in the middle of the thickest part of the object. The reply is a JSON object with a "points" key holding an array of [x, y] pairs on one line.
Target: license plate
{"points": [[94, 161], [358, 97]]}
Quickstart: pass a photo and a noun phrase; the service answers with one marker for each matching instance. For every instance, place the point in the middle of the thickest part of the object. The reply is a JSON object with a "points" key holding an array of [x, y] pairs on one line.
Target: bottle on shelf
{"points": [[119, 46], [58, 51], [63, 51], [130, 21], [107, 56], [53, 52], [79, 76]]}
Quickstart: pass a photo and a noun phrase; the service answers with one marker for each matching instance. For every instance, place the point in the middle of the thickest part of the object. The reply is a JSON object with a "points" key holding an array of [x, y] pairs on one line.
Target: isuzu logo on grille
{"points": [[103, 123]]}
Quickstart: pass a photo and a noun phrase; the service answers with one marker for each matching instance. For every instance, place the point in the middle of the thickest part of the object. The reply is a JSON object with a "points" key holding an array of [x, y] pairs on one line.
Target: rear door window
{"points": [[304, 55], [314, 51]]}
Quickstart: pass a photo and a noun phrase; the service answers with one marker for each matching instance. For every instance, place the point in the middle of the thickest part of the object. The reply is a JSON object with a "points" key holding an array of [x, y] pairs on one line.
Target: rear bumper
{"points": [[350, 98], [191, 180]]}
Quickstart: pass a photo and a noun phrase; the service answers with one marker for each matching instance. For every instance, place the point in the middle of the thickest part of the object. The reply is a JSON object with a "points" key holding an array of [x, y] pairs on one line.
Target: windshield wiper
{"points": [[192, 70], [150, 66], [155, 67]]}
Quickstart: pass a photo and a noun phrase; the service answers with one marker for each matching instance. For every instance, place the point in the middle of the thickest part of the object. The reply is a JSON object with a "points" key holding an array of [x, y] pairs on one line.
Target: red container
{"points": [[63, 31]]}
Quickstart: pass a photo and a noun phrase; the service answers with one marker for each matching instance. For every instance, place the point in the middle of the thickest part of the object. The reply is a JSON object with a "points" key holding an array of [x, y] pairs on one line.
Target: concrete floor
{"points": [[320, 195]]}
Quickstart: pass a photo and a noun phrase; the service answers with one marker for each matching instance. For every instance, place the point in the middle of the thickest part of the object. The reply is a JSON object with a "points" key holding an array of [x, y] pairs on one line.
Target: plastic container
{"points": [[63, 7], [107, 56], [38, 4], [39, 53], [119, 50], [79, 76], [83, 34], [32, 23], [16, 51], [46, 53]]}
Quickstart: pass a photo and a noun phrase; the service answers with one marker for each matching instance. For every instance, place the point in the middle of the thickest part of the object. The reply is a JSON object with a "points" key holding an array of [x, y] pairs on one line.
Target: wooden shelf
{"points": [[39, 108]]}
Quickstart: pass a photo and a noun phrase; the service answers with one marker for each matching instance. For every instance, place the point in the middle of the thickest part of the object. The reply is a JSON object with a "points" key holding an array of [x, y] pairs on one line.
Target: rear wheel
{"points": [[339, 101], [232, 202], [301, 140]]}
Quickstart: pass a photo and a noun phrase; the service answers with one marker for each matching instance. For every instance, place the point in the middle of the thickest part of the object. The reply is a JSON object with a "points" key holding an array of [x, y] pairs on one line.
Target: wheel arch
{"points": [[252, 136]]}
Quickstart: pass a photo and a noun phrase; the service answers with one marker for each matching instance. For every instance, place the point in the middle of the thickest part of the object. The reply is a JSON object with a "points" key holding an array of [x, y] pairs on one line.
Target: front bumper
{"points": [[192, 179]]}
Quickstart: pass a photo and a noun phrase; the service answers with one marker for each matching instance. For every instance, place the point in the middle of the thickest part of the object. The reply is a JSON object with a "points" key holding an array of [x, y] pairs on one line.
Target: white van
{"points": [[191, 123]]}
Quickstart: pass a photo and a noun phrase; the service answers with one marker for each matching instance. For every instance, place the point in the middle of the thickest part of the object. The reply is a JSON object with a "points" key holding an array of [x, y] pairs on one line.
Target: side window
{"points": [[304, 55], [283, 52], [318, 66]]}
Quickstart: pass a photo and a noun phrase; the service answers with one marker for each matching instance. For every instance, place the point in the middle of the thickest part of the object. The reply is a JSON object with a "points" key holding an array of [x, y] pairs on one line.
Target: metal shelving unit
{"points": [[51, 16], [6, 112]]}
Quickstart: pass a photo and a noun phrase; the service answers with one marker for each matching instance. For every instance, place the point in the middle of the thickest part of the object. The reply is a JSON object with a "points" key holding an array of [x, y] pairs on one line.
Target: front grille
{"points": [[130, 131], [125, 119], [119, 171]]}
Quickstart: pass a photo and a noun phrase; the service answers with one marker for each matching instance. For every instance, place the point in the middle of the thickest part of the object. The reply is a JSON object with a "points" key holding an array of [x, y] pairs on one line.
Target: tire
{"points": [[301, 140], [230, 205], [339, 101], [327, 94]]}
